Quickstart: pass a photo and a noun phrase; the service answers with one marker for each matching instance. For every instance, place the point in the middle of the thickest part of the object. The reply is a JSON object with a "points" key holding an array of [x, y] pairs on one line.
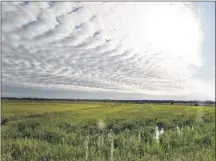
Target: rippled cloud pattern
{"points": [[150, 48]]}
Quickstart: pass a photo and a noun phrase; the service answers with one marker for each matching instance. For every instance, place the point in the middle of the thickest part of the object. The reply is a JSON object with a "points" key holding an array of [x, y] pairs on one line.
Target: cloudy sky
{"points": [[112, 50]]}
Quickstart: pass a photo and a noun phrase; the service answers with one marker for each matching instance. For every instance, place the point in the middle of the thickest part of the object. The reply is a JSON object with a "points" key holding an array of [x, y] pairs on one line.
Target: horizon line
{"points": [[98, 99]]}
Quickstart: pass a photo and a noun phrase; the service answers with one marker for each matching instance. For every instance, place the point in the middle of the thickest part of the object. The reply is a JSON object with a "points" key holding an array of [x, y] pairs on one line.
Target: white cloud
{"points": [[150, 48]]}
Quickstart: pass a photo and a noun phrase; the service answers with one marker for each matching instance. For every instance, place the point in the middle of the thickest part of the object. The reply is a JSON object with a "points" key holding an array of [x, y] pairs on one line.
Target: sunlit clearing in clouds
{"points": [[173, 32]]}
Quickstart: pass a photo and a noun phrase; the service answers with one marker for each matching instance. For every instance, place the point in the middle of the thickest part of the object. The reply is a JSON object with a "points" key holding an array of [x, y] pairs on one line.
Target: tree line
{"points": [[192, 102]]}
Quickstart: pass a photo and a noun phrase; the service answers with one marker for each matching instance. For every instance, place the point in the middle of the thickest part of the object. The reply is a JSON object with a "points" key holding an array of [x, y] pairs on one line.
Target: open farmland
{"points": [[96, 131]]}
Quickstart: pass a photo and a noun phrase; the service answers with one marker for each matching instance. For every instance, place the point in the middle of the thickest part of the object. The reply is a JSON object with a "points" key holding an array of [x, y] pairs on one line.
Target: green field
{"points": [[96, 131]]}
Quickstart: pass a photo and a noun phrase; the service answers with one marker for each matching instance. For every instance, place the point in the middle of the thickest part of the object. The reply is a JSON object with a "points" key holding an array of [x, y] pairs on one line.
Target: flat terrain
{"points": [[96, 131]]}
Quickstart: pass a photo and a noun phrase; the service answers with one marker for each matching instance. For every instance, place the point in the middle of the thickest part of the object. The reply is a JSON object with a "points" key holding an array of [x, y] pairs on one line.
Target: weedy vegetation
{"points": [[96, 131]]}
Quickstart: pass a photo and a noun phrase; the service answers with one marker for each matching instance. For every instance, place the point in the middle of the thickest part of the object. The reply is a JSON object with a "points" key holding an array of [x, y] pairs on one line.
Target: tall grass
{"points": [[106, 132]]}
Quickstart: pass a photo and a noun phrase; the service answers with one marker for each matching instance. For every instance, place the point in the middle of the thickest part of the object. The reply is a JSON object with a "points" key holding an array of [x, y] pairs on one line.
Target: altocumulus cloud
{"points": [[149, 48]]}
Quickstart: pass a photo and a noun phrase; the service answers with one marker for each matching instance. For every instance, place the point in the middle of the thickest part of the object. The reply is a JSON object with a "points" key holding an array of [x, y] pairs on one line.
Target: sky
{"points": [[109, 50]]}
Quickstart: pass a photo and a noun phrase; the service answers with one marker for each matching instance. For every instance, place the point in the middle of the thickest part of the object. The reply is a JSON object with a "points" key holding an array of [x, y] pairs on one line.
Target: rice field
{"points": [[96, 131]]}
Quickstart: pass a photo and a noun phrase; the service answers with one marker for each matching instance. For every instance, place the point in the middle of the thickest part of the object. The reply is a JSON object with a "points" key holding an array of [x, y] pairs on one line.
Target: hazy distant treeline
{"points": [[192, 102]]}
